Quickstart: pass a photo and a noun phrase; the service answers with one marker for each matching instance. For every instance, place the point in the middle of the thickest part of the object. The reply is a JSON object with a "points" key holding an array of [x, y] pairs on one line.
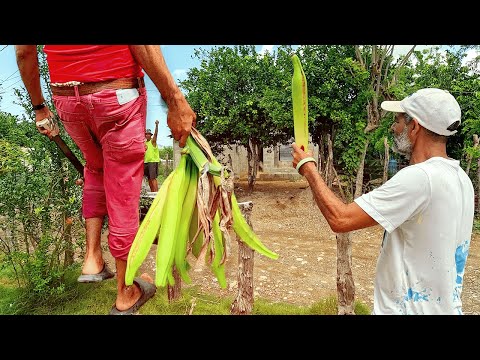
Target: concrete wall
{"points": [[276, 165]]}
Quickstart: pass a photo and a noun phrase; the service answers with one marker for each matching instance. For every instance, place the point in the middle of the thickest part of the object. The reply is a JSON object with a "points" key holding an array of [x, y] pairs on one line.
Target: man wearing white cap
{"points": [[426, 209]]}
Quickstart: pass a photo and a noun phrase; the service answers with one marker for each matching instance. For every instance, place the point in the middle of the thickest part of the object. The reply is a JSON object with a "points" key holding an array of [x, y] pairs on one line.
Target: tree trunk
{"points": [[359, 182], [252, 156], [326, 174], [165, 170], [387, 159], [345, 283], [243, 303], [328, 170], [175, 291], [319, 160], [230, 162], [478, 185], [256, 161], [340, 187], [321, 154], [469, 161]]}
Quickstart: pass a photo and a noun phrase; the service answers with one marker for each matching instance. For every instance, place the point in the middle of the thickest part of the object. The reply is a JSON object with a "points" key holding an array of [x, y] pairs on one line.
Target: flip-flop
{"points": [[148, 290], [105, 274]]}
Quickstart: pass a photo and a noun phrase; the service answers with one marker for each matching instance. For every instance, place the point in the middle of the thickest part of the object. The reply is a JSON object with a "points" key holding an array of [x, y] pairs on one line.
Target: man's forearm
{"points": [[155, 134], [151, 59], [340, 216], [27, 62], [332, 208]]}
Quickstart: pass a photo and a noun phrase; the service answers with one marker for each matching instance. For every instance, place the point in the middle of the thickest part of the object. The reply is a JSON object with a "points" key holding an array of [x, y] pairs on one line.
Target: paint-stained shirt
{"points": [[427, 212]]}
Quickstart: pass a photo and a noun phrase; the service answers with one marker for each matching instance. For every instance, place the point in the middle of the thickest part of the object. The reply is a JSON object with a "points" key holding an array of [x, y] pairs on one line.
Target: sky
{"points": [[179, 59]]}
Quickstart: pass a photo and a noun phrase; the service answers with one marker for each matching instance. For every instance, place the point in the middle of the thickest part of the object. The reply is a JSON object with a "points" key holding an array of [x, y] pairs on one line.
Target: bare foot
{"points": [[91, 267]]}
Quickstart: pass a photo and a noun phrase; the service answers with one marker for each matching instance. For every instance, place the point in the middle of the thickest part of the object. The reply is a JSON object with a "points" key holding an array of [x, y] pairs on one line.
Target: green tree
{"points": [[38, 202], [166, 152], [227, 92], [165, 166], [446, 69], [336, 103], [384, 71]]}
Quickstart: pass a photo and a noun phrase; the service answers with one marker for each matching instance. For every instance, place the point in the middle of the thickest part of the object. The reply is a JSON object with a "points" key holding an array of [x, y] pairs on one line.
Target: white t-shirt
{"points": [[427, 212]]}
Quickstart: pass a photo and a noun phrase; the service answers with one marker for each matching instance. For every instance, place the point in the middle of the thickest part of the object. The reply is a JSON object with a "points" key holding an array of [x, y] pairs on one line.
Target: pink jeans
{"points": [[112, 140]]}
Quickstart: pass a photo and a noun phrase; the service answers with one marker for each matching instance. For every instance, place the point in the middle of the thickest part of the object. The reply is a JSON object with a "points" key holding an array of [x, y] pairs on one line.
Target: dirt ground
{"points": [[287, 220]]}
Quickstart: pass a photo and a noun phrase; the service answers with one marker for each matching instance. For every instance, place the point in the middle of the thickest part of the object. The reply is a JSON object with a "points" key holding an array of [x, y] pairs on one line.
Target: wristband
{"points": [[303, 161], [38, 107]]}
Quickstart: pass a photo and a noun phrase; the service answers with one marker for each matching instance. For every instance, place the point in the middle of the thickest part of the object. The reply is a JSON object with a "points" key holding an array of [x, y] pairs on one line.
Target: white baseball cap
{"points": [[434, 109]]}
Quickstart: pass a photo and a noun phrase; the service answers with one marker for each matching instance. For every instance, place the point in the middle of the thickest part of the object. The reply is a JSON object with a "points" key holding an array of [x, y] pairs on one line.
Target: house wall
{"points": [[277, 161]]}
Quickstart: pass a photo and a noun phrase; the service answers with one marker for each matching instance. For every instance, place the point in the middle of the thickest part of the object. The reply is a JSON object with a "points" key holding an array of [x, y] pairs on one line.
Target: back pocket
{"points": [[132, 150]]}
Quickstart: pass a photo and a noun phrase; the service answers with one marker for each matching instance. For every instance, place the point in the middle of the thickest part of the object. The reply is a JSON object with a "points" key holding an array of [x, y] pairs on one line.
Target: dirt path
{"points": [[287, 220]]}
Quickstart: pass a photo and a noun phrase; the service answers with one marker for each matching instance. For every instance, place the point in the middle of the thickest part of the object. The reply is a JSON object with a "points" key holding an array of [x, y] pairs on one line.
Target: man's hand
{"points": [[51, 129], [48, 127], [180, 120], [156, 122], [298, 155]]}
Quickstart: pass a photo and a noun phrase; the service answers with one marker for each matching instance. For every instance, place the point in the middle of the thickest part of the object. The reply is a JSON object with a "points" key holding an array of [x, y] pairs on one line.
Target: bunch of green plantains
{"points": [[192, 212]]}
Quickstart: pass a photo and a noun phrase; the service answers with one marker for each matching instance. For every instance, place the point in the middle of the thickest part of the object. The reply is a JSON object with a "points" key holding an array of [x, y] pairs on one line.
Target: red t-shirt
{"points": [[90, 63]]}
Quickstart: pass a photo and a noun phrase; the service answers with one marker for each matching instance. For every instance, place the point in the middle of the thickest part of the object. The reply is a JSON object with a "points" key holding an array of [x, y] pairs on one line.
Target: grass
{"points": [[476, 225], [97, 299]]}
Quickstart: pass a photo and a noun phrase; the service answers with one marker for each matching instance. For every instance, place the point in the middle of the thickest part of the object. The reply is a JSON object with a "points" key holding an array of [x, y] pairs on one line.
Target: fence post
{"points": [[243, 303]]}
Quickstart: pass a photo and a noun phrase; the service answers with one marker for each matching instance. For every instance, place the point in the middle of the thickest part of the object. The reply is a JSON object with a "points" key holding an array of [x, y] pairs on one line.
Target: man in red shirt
{"points": [[100, 97]]}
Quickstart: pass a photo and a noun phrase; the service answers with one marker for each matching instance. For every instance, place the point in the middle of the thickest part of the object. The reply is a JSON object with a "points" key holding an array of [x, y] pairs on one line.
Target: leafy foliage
{"points": [[447, 70], [38, 202], [227, 92], [337, 97], [166, 152]]}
